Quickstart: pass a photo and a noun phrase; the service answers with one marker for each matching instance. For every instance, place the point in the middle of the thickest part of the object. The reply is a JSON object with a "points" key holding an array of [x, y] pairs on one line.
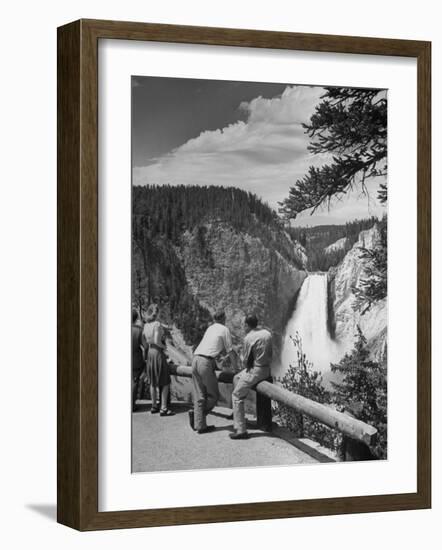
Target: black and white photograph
{"points": [[259, 274], [220, 275]]}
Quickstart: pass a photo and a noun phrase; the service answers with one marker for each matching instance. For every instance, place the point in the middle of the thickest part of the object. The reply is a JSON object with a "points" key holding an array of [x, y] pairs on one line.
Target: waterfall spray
{"points": [[309, 320]]}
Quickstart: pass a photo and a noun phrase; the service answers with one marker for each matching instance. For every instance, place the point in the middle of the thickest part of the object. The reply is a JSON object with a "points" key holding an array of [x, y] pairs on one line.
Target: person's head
{"points": [[250, 322], [135, 316], [219, 316], [152, 313]]}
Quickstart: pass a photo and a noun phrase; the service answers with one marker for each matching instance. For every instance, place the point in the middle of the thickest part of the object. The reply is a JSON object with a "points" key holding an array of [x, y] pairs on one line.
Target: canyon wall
{"points": [[345, 319]]}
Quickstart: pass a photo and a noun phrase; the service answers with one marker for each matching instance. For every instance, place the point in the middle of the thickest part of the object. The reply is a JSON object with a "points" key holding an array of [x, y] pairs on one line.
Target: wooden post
{"points": [[264, 410], [353, 450]]}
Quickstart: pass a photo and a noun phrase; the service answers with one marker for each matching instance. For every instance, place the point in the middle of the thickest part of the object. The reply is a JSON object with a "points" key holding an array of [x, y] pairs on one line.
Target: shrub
{"points": [[363, 390], [301, 378]]}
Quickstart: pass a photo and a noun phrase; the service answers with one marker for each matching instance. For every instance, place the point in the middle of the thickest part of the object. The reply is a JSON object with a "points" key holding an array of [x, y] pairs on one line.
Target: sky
{"points": [[243, 134]]}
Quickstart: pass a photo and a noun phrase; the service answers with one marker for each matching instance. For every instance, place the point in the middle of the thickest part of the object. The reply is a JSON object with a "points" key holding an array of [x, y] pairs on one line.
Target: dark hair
{"points": [[134, 315], [219, 316], [251, 320], [152, 313]]}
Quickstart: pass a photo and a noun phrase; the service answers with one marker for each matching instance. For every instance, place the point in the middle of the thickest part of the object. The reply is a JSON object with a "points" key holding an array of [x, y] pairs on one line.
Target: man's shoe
{"points": [[206, 430], [192, 419], [236, 435]]}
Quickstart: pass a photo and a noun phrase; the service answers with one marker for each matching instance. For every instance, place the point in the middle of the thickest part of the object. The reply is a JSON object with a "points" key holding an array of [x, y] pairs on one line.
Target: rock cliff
{"points": [[340, 244], [238, 272], [344, 318]]}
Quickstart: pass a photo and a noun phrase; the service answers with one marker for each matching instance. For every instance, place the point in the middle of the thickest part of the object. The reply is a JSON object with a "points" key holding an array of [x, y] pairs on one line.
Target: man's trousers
{"points": [[205, 389], [243, 382]]}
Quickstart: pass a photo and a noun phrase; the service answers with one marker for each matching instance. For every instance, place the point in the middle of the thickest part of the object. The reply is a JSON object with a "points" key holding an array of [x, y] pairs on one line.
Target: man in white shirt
{"points": [[216, 341]]}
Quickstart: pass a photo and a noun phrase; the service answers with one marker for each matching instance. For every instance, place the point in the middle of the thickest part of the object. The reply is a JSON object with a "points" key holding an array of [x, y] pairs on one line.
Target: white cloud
{"points": [[265, 155], [293, 107]]}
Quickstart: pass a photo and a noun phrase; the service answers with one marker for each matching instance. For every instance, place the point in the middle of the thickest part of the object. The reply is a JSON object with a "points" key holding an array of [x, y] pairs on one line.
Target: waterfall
{"points": [[309, 320]]}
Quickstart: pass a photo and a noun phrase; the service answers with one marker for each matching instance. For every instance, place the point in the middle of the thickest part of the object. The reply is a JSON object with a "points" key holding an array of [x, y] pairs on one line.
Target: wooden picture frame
{"points": [[77, 461]]}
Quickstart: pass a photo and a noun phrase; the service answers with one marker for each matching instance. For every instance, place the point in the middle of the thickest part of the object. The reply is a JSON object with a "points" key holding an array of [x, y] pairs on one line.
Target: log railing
{"points": [[358, 436]]}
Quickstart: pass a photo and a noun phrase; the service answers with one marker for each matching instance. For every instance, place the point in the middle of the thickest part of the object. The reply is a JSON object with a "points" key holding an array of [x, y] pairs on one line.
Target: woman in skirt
{"points": [[156, 364]]}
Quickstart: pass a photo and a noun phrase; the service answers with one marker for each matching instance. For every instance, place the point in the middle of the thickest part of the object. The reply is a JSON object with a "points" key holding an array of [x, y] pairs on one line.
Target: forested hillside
{"points": [[171, 210], [317, 239]]}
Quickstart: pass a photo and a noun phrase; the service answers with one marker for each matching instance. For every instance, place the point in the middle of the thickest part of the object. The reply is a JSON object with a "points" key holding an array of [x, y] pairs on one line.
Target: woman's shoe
{"points": [[167, 412], [154, 410]]}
